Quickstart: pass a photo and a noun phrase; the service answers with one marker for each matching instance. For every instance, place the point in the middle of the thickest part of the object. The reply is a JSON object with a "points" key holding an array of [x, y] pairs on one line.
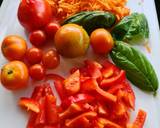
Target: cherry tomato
{"points": [[14, 75], [34, 55], [37, 72], [51, 29], [34, 14], [37, 38], [14, 47], [101, 41], [51, 59], [71, 40]]}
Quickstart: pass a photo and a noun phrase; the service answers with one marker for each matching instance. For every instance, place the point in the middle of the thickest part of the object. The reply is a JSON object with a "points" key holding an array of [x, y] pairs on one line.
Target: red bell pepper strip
{"points": [[41, 116], [71, 123], [54, 77], [139, 121], [71, 110], [107, 82], [93, 69], [38, 93], [72, 83], [107, 72], [78, 98], [30, 104], [60, 89], [51, 110], [92, 85], [48, 90], [107, 123]]}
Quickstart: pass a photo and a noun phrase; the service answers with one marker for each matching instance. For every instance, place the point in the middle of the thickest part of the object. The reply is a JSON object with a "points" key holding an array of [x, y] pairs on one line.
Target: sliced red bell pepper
{"points": [[115, 89], [30, 104], [54, 77], [139, 121], [38, 93], [31, 120], [71, 110], [51, 110], [48, 90], [78, 98], [72, 83], [107, 123], [107, 72], [93, 69], [107, 82], [102, 110], [71, 123], [60, 89], [92, 85], [41, 116]]}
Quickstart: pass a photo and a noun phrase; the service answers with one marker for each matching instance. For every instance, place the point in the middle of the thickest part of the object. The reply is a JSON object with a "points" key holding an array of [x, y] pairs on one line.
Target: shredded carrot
{"points": [[66, 8]]}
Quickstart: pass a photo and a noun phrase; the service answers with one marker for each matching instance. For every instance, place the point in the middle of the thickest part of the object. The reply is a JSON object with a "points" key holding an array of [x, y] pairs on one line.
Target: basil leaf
{"points": [[138, 69]]}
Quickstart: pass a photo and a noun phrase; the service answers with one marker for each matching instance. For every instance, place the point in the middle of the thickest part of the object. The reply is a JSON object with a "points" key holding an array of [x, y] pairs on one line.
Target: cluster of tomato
{"points": [[95, 95]]}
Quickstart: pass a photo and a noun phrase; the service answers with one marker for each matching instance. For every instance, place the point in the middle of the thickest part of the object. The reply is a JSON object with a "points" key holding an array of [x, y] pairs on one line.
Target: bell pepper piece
{"points": [[60, 89], [41, 116], [114, 80], [107, 123], [72, 83], [115, 89], [71, 123], [30, 104], [31, 120], [107, 72], [102, 110], [51, 110], [54, 77], [48, 90], [92, 85], [71, 110], [78, 98], [38, 93], [139, 121], [93, 69]]}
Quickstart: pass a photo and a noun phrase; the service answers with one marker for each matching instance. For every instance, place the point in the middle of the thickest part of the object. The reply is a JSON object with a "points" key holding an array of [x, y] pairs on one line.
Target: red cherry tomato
{"points": [[34, 14], [51, 59], [37, 72], [34, 55], [37, 38], [51, 29]]}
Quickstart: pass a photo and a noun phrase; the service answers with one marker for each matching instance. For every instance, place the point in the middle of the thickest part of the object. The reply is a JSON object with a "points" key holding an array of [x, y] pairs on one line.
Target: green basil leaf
{"points": [[138, 69]]}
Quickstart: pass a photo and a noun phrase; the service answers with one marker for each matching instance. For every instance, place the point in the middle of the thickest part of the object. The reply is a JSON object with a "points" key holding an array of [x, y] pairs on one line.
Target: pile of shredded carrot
{"points": [[66, 8]]}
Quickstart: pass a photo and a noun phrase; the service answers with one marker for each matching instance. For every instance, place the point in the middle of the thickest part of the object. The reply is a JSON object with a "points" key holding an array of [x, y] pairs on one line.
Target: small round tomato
{"points": [[51, 29], [37, 72], [14, 47], [71, 40], [101, 41], [14, 75], [34, 55], [51, 59], [37, 38]]}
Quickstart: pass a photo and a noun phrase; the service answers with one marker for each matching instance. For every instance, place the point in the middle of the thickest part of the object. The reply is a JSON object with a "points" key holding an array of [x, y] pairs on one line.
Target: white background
{"points": [[11, 116]]}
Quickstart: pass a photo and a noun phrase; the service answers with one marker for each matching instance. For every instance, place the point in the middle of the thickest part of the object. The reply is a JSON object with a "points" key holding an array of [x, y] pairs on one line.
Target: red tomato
{"points": [[51, 29], [51, 59], [37, 72], [34, 55], [34, 14], [101, 41], [37, 38]]}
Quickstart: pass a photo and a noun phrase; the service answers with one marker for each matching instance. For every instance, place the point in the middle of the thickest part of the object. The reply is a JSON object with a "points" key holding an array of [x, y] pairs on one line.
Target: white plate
{"points": [[11, 116]]}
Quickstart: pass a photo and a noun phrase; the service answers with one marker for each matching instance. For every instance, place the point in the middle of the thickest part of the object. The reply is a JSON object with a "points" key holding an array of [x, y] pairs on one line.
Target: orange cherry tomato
{"points": [[14, 75], [34, 55], [14, 47], [71, 40], [51, 59], [101, 41], [37, 72], [37, 38]]}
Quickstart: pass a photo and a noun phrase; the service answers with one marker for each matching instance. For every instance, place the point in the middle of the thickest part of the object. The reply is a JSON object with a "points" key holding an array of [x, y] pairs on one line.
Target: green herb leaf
{"points": [[138, 69]]}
